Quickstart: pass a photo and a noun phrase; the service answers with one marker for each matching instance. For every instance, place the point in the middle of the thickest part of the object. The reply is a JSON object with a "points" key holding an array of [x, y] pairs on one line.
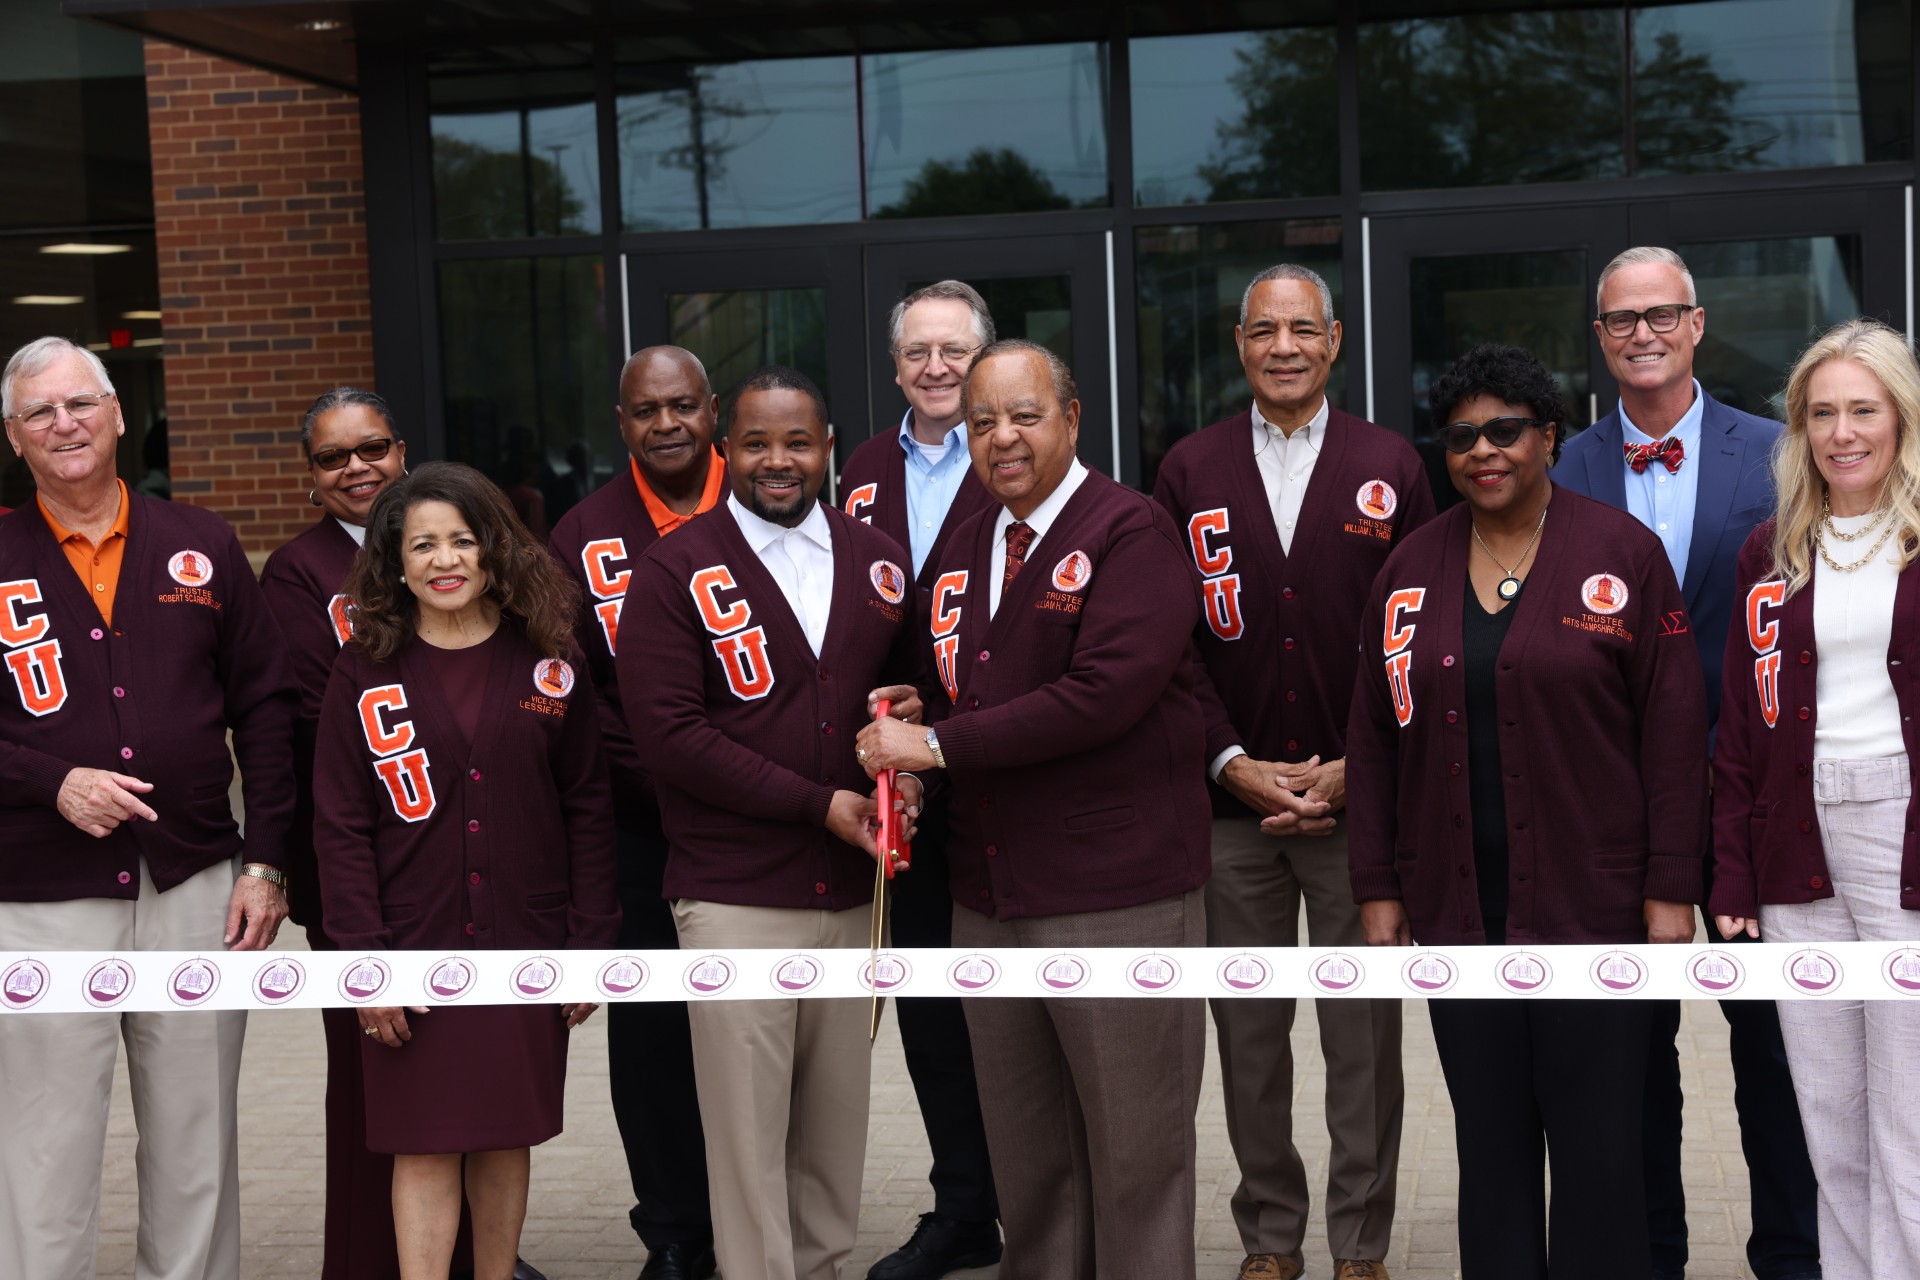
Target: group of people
{"points": [[1597, 695]]}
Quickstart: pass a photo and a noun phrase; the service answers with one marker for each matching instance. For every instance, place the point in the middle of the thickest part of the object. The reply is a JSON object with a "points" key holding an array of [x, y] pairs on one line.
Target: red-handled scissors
{"points": [[891, 852]]}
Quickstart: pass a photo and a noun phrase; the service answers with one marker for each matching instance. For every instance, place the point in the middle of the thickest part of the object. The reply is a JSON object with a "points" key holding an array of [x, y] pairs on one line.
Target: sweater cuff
{"points": [[961, 742], [1733, 896], [1375, 884], [42, 776], [1671, 878], [810, 801]]}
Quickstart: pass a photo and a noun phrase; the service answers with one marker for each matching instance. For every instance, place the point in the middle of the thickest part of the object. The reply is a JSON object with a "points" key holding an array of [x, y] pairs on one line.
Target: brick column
{"points": [[263, 277]]}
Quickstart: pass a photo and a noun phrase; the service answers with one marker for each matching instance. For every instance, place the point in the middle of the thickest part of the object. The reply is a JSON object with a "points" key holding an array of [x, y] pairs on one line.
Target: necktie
{"points": [[1019, 538], [1670, 451]]}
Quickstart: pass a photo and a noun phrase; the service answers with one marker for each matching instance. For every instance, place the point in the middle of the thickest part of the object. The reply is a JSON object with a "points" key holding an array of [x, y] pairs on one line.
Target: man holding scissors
{"points": [[770, 622]]}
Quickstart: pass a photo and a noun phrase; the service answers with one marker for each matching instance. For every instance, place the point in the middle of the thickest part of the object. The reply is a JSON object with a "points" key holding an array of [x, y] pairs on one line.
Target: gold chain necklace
{"points": [[1820, 541], [1826, 516], [1509, 587]]}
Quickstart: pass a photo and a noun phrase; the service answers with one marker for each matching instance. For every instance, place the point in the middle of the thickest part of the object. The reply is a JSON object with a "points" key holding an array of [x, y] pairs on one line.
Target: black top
{"points": [[1481, 634], [463, 681]]}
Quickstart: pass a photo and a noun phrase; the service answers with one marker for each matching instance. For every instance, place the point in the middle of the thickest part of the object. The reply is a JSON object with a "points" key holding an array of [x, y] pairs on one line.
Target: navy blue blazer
{"points": [[1735, 493]]}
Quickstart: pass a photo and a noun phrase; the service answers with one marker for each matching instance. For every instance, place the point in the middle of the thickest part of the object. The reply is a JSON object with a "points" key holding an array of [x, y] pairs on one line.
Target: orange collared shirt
{"points": [[98, 567], [665, 518]]}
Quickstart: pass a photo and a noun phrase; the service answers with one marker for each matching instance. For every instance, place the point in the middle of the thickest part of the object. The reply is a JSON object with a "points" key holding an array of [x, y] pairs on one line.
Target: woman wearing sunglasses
{"points": [[1526, 760]]}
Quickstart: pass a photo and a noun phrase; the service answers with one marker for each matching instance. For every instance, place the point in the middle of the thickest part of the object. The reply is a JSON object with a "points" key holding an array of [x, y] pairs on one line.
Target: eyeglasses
{"points": [[42, 416], [1660, 319], [1458, 437], [368, 451], [952, 353]]}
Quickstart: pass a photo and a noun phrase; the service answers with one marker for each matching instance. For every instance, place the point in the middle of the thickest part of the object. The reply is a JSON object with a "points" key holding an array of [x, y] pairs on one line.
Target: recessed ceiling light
{"points": [[148, 342], [87, 250], [139, 315], [99, 346], [47, 299], [319, 26]]}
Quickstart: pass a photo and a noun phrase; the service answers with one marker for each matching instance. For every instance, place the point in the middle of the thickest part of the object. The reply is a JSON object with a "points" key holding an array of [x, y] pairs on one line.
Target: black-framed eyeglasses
{"points": [[1458, 437], [368, 450], [1664, 318]]}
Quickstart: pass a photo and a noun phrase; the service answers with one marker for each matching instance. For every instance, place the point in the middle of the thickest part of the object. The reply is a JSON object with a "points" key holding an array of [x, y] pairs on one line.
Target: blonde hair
{"points": [[1882, 351]]}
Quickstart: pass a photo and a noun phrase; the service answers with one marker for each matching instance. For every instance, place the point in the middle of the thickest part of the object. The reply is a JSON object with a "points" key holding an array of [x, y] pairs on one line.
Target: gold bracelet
{"points": [[933, 745], [272, 875]]}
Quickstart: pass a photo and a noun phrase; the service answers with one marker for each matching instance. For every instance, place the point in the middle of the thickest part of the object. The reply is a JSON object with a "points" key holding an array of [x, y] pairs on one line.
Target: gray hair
{"points": [[37, 357], [1290, 271], [340, 398], [1642, 256], [1065, 389], [953, 290]]}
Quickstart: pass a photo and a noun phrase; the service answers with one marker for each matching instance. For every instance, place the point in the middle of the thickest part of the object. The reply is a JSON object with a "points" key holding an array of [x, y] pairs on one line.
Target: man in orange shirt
{"points": [[667, 416]]}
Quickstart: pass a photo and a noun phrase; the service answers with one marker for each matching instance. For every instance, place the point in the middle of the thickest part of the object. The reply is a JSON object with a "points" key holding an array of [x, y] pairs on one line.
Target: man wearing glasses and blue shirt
{"points": [[1698, 474], [917, 485]]}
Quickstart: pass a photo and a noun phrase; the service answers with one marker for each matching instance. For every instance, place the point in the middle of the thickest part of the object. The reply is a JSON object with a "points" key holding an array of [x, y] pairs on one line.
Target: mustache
{"points": [[778, 477]]}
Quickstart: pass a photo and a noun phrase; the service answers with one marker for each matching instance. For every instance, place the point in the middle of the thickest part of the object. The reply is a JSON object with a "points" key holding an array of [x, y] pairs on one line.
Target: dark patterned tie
{"points": [[1019, 538], [1670, 451]]}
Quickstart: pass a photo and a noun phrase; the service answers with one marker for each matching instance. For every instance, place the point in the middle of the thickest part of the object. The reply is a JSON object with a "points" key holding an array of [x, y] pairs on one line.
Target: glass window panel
{"points": [[1243, 115], [965, 131], [1765, 301], [737, 331], [1190, 280], [523, 362], [1037, 308], [1491, 98], [73, 121], [1538, 301], [515, 155], [1771, 84], [744, 144]]}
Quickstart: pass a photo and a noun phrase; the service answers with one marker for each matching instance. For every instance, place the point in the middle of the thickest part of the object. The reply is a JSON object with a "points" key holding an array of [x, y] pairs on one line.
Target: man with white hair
{"points": [[134, 640]]}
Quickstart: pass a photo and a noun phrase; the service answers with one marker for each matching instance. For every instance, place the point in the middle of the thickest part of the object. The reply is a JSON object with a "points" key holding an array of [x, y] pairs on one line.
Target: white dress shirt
{"points": [[1040, 521], [1286, 465], [800, 560], [358, 532]]}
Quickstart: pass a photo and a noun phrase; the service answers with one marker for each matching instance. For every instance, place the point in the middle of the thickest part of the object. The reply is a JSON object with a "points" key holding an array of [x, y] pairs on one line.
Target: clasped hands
{"points": [[856, 818], [1292, 799]]}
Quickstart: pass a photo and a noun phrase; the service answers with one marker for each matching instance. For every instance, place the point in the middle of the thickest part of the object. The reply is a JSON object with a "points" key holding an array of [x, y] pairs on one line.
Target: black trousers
{"points": [[1784, 1244], [1555, 1080], [650, 1066], [933, 1033]]}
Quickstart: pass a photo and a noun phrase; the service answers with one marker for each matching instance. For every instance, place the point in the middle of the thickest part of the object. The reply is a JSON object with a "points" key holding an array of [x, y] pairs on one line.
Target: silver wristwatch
{"points": [[933, 745]]}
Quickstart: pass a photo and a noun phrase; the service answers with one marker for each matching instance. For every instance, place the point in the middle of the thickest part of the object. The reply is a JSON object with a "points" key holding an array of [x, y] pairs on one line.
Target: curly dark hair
{"points": [[523, 579], [1506, 373]]}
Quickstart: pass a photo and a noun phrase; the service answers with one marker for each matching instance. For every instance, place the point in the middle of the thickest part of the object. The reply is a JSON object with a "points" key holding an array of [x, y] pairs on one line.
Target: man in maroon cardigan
{"points": [[667, 416], [1289, 509], [1061, 623], [136, 640]]}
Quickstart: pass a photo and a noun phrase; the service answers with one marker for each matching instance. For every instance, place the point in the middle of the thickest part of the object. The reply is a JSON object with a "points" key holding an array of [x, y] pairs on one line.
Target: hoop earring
{"points": [[313, 496]]}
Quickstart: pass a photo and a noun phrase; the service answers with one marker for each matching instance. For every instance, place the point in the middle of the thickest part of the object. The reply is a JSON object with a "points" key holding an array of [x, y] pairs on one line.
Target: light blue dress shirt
{"points": [[934, 473], [1662, 500]]}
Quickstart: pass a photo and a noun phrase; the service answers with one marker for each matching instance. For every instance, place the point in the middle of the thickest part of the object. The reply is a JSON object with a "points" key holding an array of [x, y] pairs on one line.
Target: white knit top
{"points": [[1859, 717]]}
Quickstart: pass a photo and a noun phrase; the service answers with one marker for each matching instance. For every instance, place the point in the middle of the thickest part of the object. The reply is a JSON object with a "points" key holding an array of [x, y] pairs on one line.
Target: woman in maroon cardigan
{"points": [[1525, 759], [352, 453], [1814, 806], [461, 801]]}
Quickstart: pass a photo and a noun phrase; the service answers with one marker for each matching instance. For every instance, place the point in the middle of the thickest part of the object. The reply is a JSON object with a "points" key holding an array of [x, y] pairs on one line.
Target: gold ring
{"points": [[861, 755], [372, 1032]]}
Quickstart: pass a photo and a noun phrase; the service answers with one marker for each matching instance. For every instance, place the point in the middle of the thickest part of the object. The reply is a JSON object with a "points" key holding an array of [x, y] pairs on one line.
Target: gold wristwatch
{"points": [[933, 745]]}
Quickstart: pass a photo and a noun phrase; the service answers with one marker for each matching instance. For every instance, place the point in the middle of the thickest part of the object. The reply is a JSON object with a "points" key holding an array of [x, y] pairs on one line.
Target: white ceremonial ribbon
{"points": [[166, 981]]}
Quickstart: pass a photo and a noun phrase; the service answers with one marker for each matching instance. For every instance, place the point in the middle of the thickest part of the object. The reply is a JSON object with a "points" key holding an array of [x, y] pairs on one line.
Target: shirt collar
{"points": [[1043, 516], [666, 519], [61, 533], [1264, 431], [909, 443], [761, 534], [1687, 430], [358, 532]]}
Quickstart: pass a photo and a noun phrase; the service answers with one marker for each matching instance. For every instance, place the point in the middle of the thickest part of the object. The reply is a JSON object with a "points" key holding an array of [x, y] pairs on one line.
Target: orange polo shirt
{"points": [[98, 567], [665, 518]]}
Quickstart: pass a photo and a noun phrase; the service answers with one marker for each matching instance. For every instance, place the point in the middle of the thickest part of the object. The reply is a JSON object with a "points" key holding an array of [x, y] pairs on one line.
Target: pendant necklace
{"points": [[1509, 588]]}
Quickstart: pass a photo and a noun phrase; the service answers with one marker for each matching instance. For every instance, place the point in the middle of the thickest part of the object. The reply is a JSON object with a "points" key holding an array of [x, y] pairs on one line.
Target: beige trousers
{"points": [[1253, 900], [56, 1079], [783, 1099]]}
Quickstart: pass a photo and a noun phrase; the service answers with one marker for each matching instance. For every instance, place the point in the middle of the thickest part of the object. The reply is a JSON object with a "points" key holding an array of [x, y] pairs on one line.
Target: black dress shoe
{"points": [[940, 1245], [522, 1270], [679, 1262]]}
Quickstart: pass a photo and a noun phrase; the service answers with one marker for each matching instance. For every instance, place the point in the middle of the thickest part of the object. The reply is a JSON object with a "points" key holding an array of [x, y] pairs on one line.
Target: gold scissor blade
{"points": [[875, 934]]}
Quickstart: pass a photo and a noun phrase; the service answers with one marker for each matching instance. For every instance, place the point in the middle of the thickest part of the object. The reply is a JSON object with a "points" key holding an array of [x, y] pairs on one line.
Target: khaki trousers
{"points": [[56, 1079], [1089, 1104], [1253, 900], [783, 1090]]}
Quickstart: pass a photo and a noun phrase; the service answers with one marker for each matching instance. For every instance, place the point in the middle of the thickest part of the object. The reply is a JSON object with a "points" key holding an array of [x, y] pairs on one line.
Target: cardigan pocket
{"points": [[1620, 858], [1099, 818]]}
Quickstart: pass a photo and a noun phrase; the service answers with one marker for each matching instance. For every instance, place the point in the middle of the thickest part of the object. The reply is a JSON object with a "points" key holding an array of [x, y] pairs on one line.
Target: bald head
{"points": [[667, 416]]}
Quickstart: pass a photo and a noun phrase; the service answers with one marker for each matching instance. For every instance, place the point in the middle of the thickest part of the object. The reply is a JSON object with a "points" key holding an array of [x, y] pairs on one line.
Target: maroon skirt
{"points": [[485, 1078]]}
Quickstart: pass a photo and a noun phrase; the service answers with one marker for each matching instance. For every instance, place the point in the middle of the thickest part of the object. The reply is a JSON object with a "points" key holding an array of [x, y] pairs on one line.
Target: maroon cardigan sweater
{"points": [[1276, 638], [873, 488], [187, 660], [745, 732], [1073, 737], [598, 542], [1603, 735], [301, 583], [1766, 842], [515, 844]]}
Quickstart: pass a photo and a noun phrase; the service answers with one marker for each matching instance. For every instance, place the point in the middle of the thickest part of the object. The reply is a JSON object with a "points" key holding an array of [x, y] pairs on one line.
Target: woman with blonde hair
{"points": [[1813, 804]]}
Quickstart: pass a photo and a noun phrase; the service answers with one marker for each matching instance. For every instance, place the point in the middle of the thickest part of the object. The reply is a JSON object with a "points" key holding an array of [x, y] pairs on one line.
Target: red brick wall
{"points": [[257, 193]]}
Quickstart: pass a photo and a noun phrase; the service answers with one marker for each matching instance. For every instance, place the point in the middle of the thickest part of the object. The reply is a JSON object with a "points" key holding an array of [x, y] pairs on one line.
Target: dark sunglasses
{"points": [[1458, 437], [369, 451]]}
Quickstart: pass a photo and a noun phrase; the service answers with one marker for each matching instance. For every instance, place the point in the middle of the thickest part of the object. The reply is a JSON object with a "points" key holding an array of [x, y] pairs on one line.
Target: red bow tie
{"points": [[1670, 451]]}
